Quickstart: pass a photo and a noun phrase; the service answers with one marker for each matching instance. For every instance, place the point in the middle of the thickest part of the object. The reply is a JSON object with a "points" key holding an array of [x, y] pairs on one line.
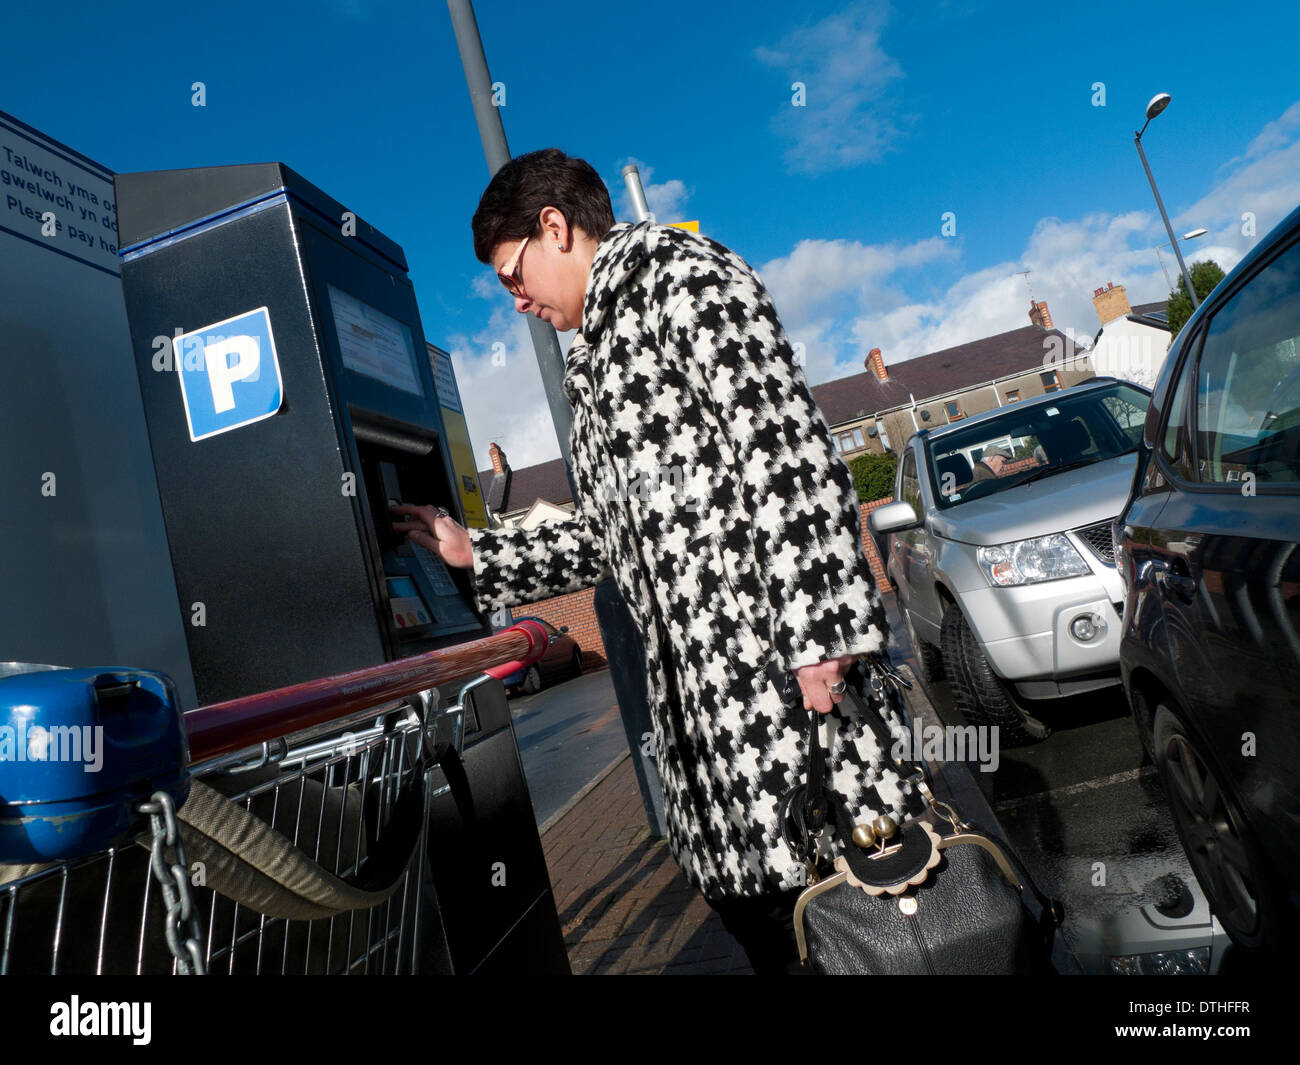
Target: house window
{"points": [[953, 409], [1013, 396], [851, 441], [1051, 381]]}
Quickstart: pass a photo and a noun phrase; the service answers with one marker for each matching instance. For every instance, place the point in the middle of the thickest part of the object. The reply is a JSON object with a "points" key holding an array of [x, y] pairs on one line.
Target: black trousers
{"points": [[764, 927]]}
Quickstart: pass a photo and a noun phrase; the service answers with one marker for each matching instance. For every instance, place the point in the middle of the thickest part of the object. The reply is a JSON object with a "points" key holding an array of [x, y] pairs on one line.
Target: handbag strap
{"points": [[889, 683], [806, 807]]}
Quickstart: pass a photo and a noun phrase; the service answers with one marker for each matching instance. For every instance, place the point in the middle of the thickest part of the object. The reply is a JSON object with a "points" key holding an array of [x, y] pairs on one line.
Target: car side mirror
{"points": [[564, 628], [893, 517]]}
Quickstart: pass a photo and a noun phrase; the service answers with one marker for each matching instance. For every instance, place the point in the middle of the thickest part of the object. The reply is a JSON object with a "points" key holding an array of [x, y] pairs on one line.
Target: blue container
{"points": [[80, 749]]}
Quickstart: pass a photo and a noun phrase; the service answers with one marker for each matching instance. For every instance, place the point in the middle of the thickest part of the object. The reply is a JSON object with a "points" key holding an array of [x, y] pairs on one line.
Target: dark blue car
{"points": [[563, 659], [1209, 548]]}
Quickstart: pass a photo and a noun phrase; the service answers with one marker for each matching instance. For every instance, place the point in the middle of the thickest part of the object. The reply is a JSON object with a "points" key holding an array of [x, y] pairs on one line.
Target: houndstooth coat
{"points": [[710, 491]]}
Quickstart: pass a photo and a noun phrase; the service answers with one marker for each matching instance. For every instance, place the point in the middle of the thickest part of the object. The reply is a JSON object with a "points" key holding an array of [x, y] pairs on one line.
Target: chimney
{"points": [[498, 458], [1039, 314], [876, 364], [1111, 303]]}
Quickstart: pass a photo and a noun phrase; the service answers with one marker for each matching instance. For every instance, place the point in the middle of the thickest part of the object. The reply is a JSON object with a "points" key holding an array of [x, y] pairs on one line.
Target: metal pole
{"points": [[617, 628], [632, 177], [1187, 278], [1162, 267]]}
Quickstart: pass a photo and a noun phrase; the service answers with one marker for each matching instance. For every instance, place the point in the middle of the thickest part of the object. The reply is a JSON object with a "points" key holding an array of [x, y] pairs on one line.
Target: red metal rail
{"points": [[223, 728]]}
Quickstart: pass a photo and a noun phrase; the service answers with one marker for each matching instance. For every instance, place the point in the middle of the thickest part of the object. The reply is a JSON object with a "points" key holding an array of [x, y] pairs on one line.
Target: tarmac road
{"points": [[567, 734], [1087, 813], [1083, 808]]}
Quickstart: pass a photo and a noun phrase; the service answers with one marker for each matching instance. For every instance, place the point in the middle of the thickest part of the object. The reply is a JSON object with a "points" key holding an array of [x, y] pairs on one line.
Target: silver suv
{"points": [[1000, 549]]}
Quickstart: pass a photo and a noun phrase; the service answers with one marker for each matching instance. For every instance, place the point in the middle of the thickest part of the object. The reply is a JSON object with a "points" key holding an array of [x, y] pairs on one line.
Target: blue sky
{"points": [[987, 111]]}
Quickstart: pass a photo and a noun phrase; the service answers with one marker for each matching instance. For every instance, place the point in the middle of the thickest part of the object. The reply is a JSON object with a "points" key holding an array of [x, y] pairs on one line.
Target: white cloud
{"points": [[821, 282], [501, 388], [1263, 183], [842, 298], [843, 119], [1066, 261], [1276, 134], [486, 286], [666, 200]]}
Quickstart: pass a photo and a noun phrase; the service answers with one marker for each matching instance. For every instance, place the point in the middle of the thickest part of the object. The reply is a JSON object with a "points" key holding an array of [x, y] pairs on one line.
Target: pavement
{"points": [[624, 905]]}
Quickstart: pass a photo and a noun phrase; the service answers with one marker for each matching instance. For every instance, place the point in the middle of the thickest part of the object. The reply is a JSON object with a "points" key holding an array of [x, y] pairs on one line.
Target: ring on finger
{"points": [[838, 689]]}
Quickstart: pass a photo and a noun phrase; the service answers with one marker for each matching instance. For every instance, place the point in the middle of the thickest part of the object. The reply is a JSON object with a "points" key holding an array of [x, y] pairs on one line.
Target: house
{"points": [[1132, 341], [524, 498], [878, 410]]}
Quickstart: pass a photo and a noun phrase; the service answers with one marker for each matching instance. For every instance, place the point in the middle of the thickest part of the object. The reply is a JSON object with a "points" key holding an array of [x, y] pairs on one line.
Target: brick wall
{"points": [[577, 609], [869, 545], [1016, 465]]}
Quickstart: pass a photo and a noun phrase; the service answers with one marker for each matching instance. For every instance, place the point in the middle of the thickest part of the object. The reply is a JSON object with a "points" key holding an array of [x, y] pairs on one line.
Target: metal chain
{"points": [[172, 879]]}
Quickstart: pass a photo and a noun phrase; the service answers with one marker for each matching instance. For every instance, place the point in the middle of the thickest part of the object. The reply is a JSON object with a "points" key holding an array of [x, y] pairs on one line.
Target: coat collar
{"points": [[621, 251]]}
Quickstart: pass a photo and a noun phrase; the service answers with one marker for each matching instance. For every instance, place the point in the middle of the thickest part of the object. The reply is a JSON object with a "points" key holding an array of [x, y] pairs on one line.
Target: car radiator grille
{"points": [[1097, 537]]}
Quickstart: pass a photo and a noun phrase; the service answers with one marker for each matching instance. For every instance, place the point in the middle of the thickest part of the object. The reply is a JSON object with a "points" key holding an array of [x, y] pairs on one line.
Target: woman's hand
{"points": [[816, 682], [443, 535]]}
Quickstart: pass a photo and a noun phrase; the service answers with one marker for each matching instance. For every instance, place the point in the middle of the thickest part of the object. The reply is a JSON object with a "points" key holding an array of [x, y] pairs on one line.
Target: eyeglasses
{"points": [[511, 277]]}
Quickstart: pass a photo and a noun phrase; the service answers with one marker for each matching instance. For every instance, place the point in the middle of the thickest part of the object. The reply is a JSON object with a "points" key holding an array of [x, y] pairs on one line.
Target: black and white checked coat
{"points": [[710, 491]]}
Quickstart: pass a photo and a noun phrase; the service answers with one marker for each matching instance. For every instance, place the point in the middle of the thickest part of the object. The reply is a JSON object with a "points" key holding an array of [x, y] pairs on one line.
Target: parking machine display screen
{"points": [[373, 343]]}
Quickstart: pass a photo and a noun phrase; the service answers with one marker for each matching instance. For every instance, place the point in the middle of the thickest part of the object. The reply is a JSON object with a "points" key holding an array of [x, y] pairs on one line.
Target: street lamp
{"points": [[1186, 236], [1158, 103]]}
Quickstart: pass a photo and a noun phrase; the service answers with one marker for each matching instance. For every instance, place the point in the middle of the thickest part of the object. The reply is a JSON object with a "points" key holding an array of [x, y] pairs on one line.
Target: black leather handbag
{"points": [[933, 895]]}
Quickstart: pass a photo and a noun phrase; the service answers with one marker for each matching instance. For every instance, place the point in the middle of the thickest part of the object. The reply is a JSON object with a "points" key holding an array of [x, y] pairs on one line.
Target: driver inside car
{"points": [[991, 463]]}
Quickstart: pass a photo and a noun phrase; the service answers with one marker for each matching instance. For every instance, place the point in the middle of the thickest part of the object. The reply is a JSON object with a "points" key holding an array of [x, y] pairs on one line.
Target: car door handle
{"points": [[1176, 584]]}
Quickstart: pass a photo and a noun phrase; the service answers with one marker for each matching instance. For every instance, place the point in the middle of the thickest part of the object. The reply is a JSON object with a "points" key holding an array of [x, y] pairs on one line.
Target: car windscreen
{"points": [[1036, 440]]}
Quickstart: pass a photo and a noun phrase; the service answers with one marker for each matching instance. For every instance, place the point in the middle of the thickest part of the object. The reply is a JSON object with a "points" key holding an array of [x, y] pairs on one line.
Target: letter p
{"points": [[222, 374]]}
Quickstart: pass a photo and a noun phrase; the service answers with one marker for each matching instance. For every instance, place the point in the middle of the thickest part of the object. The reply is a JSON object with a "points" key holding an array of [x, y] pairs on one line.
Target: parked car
{"points": [[1209, 548], [1001, 553], [563, 659]]}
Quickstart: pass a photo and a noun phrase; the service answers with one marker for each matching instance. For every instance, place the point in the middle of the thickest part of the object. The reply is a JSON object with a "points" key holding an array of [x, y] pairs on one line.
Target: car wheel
{"points": [[1234, 874], [928, 657], [980, 694], [532, 682], [577, 662]]}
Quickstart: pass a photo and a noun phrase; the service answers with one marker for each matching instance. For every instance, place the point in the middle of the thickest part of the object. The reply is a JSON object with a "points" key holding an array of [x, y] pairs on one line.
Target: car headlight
{"points": [[1046, 558]]}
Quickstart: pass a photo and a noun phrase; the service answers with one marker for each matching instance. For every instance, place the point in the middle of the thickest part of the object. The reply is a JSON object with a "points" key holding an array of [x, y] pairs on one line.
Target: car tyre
{"points": [[980, 694], [1138, 707], [1239, 882], [577, 662], [532, 682], [928, 658]]}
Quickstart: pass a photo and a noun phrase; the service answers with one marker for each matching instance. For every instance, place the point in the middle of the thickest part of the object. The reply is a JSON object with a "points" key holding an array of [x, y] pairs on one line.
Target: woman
{"points": [[710, 491]]}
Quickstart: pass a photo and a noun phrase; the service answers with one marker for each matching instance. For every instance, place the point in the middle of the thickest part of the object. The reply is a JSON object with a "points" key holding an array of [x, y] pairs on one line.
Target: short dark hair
{"points": [[517, 193]]}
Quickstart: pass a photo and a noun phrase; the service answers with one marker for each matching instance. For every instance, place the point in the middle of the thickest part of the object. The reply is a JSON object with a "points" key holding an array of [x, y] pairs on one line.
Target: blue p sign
{"points": [[230, 376]]}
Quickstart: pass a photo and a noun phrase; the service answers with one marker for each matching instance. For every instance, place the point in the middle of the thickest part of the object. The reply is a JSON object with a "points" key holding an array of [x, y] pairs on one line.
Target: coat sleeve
{"points": [[516, 566], [797, 493]]}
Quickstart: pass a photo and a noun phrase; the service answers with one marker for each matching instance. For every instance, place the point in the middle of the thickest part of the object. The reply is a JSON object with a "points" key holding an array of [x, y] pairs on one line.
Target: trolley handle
{"points": [[234, 725]]}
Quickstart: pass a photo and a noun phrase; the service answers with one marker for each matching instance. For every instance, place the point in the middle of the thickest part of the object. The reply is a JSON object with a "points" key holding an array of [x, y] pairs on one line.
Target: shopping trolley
{"points": [[325, 786]]}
